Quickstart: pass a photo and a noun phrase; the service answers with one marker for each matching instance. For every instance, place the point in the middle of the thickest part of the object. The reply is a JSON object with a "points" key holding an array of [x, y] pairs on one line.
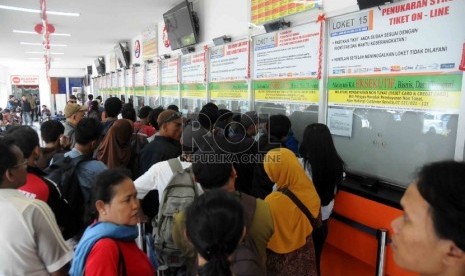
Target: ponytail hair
{"points": [[214, 225]]}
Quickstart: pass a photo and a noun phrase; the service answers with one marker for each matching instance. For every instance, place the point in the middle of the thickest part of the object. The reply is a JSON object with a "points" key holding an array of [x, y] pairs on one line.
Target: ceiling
{"points": [[101, 24]]}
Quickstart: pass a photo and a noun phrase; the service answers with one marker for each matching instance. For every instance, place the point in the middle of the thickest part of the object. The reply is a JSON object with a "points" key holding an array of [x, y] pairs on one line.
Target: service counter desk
{"points": [[359, 225]]}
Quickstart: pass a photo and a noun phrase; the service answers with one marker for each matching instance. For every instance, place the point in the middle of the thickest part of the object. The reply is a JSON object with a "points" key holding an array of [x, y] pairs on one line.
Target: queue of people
{"points": [[225, 202]]}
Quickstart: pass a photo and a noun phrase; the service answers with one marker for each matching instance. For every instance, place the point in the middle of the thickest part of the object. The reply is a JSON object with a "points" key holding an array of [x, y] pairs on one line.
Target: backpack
{"points": [[137, 143], [178, 194], [246, 259], [62, 173]]}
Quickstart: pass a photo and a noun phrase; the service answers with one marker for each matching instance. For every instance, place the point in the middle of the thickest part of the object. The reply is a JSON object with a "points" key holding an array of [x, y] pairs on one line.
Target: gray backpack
{"points": [[179, 193]]}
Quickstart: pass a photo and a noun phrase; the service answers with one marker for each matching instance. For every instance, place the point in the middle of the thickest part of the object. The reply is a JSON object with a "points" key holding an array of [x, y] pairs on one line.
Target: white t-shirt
{"points": [[30, 239], [157, 178]]}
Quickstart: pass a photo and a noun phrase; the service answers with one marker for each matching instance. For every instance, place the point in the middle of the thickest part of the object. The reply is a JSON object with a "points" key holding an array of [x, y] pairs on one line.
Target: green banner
{"points": [[194, 90], [139, 91], [229, 90], [152, 91], [169, 90], [413, 92], [293, 90]]}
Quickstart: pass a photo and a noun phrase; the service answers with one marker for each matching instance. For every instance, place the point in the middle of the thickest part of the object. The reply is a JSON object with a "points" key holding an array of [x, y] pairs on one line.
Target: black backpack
{"points": [[246, 259], [62, 172], [138, 142]]}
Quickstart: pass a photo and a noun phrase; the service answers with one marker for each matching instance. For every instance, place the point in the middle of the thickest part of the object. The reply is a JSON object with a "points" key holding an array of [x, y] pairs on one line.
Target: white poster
{"points": [[193, 68], [408, 37], [120, 78], [151, 74], [149, 43], [24, 80], [128, 78], [139, 76], [340, 121], [169, 71], [229, 62], [292, 53], [114, 80]]}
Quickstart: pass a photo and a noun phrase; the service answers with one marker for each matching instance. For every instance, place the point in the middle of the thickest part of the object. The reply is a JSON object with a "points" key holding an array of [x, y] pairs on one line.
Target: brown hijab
{"points": [[115, 150]]}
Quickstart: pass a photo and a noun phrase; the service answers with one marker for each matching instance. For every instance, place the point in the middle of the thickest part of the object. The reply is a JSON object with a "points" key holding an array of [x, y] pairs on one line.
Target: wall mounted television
{"points": [[182, 25], [122, 54], [100, 65]]}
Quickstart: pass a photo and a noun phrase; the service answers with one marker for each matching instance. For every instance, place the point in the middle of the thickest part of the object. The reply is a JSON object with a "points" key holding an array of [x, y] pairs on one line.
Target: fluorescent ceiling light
{"points": [[52, 53], [41, 44], [11, 8], [34, 33]]}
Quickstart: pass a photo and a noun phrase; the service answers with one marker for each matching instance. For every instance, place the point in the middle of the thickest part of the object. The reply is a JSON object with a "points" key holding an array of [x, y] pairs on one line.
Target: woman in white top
{"points": [[326, 169]]}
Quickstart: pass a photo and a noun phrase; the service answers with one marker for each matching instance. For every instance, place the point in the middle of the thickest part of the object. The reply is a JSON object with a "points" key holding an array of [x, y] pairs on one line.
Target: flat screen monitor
{"points": [[122, 54], [181, 26], [100, 65]]}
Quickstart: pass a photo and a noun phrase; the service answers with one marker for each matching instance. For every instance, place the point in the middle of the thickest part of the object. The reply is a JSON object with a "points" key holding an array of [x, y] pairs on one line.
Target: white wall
{"points": [[44, 86]]}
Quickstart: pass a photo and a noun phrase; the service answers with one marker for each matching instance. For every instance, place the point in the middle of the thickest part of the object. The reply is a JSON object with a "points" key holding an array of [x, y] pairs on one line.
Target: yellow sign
{"points": [[170, 93], [240, 95], [304, 96], [448, 100]]}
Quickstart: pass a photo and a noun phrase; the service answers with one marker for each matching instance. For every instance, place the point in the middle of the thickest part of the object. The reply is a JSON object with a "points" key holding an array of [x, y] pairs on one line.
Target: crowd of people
{"points": [[23, 111], [225, 201]]}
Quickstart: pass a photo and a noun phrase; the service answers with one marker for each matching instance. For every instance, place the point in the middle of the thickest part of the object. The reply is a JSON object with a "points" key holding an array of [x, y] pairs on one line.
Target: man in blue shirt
{"points": [[87, 137]]}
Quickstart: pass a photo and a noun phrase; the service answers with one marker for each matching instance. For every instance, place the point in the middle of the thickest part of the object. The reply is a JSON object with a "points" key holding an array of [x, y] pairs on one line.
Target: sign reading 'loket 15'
{"points": [[24, 80]]}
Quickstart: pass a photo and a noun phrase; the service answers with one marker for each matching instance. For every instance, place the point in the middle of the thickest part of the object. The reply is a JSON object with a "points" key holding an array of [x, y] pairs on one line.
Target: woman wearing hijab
{"points": [[115, 149], [290, 249]]}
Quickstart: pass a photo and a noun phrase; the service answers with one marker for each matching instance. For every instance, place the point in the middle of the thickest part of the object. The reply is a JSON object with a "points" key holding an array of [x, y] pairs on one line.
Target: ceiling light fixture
{"points": [[34, 33], [52, 53], [40, 44], [11, 8]]}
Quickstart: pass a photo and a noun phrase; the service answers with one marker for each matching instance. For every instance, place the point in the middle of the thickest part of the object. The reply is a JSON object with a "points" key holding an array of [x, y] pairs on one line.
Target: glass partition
{"points": [[392, 145]]}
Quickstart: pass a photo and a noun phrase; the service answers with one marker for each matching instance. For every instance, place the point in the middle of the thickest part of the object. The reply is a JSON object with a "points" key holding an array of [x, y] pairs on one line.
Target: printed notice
{"points": [[292, 53], [169, 71], [193, 68], [402, 38], [139, 76], [229, 62], [340, 121], [151, 74]]}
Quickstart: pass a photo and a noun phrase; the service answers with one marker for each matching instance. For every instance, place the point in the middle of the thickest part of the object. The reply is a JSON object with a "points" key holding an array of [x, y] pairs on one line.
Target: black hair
{"points": [[144, 111], [99, 97], [214, 225], [24, 137], [441, 185], [128, 112], [90, 97], [211, 175], [327, 167], [51, 130], [211, 105], [94, 105], [113, 106], [208, 116], [173, 107], [104, 187], [279, 126], [87, 130], [153, 116], [7, 158]]}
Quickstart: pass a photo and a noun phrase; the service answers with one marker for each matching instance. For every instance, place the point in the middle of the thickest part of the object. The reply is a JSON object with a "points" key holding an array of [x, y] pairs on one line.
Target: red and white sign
{"points": [[24, 80], [137, 49]]}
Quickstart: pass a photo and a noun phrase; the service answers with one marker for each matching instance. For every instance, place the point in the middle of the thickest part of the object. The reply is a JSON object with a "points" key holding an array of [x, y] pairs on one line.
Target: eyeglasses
{"points": [[22, 164], [170, 118]]}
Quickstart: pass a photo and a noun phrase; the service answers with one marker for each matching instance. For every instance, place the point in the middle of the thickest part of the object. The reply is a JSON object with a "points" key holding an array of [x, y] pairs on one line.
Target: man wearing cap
{"points": [[73, 114], [164, 146]]}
